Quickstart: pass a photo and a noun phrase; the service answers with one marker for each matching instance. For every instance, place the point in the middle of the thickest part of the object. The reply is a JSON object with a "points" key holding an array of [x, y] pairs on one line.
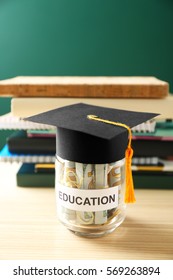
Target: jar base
{"points": [[95, 231], [93, 235]]}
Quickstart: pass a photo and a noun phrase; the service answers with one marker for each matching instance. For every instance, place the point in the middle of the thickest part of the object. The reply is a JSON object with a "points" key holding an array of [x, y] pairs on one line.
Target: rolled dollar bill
{"points": [[59, 169], [101, 183], [84, 174], [69, 179], [115, 179]]}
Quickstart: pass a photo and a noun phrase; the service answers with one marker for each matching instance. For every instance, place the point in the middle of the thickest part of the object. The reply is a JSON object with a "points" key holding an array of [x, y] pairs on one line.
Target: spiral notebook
{"points": [[8, 121]]}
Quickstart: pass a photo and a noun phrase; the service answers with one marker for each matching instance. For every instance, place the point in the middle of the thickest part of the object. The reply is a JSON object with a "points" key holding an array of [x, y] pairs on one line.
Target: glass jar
{"points": [[90, 197]]}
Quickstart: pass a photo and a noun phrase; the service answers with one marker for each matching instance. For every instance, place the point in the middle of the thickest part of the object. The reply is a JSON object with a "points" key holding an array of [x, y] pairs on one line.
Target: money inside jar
{"points": [[74, 206]]}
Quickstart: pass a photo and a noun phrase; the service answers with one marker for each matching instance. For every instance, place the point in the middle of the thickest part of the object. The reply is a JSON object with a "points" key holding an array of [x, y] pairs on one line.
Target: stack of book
{"points": [[34, 145], [152, 163]]}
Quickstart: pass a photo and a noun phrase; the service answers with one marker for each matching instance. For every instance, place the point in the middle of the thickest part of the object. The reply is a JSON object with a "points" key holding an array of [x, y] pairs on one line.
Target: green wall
{"points": [[86, 37]]}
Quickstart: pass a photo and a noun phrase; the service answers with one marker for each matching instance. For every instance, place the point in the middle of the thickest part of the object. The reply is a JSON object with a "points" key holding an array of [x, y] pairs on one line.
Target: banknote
{"points": [[69, 180], [101, 182], [84, 174], [116, 178]]}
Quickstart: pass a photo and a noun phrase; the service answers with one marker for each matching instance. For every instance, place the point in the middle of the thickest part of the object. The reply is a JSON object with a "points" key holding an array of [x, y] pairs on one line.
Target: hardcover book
{"points": [[104, 87]]}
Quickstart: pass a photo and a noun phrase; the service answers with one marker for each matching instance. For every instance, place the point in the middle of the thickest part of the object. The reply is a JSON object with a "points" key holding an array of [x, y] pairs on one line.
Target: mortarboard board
{"points": [[85, 140]]}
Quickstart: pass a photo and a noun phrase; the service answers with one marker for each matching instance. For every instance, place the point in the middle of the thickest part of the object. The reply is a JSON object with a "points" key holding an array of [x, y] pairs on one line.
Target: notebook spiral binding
{"points": [[9, 122]]}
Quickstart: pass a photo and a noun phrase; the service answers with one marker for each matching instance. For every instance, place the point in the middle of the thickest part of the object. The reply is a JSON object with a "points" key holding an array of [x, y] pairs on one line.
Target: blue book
{"points": [[7, 156]]}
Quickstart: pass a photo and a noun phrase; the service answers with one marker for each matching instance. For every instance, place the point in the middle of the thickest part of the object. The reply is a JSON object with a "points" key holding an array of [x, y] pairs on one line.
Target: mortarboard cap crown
{"points": [[84, 140]]}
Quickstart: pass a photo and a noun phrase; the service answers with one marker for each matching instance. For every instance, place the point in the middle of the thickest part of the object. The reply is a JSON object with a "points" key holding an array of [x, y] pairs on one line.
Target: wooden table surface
{"points": [[29, 227]]}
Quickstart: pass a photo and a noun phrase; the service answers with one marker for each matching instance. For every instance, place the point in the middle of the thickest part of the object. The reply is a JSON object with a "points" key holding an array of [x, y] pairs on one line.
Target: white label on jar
{"points": [[87, 200]]}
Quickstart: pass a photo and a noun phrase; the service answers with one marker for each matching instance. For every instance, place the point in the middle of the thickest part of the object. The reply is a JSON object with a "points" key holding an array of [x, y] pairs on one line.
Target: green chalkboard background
{"points": [[85, 37]]}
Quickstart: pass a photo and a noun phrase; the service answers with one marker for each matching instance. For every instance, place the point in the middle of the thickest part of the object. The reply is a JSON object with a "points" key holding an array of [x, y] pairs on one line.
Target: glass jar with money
{"points": [[93, 165], [90, 197]]}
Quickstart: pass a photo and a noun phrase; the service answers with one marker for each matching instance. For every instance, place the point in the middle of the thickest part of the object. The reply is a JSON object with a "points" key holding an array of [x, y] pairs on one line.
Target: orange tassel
{"points": [[129, 192]]}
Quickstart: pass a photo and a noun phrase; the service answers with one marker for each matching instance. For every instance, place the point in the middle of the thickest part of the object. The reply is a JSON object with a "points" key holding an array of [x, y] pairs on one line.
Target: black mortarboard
{"points": [[86, 140]]}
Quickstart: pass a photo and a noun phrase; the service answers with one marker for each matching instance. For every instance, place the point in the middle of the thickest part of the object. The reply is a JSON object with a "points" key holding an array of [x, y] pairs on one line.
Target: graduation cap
{"points": [[92, 134]]}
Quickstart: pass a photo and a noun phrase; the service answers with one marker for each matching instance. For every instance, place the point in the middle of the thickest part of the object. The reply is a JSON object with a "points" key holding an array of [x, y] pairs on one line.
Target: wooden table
{"points": [[29, 227]]}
